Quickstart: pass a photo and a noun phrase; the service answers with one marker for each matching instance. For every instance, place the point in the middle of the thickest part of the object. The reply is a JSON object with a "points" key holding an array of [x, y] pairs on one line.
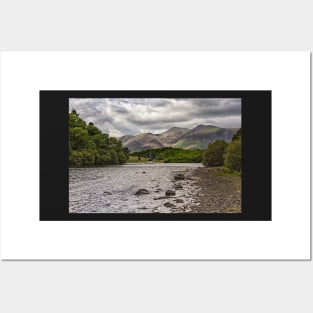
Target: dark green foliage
{"points": [[75, 120], [220, 153], [213, 155], [76, 158], [78, 138], [88, 146], [233, 155], [93, 130], [126, 150], [113, 157], [237, 135], [171, 155], [122, 157]]}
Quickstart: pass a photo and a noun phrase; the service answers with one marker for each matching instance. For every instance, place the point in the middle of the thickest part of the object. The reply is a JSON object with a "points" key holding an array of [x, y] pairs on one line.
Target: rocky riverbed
{"points": [[153, 188]]}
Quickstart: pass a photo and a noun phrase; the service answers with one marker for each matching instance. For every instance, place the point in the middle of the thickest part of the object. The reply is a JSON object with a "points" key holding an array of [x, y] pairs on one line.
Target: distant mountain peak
{"points": [[175, 128], [205, 126], [197, 138]]}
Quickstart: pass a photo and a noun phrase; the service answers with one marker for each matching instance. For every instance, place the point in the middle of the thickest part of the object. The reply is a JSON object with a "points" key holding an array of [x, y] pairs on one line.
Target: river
{"points": [[112, 189]]}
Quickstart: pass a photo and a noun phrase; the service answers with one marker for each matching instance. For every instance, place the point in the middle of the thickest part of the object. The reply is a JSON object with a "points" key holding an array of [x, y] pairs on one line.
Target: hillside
{"points": [[197, 138], [171, 136], [141, 142], [200, 136]]}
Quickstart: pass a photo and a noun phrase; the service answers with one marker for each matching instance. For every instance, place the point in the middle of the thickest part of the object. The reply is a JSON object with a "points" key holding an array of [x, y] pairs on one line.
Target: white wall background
{"points": [[151, 286]]}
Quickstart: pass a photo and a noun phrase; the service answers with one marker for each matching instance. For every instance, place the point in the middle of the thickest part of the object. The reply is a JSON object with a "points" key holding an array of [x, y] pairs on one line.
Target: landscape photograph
{"points": [[155, 155]]}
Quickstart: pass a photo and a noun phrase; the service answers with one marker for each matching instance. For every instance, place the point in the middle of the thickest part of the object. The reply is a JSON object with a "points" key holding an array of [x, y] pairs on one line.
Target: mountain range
{"points": [[196, 138]]}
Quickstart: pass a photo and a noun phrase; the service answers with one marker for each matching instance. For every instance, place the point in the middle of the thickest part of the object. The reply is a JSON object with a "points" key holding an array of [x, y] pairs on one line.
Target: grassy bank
{"points": [[223, 171]]}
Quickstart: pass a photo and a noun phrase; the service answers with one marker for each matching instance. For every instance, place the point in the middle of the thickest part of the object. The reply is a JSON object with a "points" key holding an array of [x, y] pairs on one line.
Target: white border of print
{"points": [[23, 74]]}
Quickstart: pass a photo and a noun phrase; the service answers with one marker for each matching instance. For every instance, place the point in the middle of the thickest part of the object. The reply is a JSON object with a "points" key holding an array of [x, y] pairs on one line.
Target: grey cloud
{"points": [[120, 110], [134, 115]]}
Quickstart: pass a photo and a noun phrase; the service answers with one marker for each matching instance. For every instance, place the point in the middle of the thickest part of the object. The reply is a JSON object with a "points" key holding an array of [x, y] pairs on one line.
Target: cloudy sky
{"points": [[132, 116]]}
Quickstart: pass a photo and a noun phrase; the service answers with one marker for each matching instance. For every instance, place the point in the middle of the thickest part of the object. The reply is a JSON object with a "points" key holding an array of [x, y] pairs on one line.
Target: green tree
{"points": [[233, 155], [126, 151], [88, 157], [76, 158], [105, 157], [93, 130], [75, 120], [122, 157], [78, 138], [101, 140], [237, 135], [88, 146], [113, 157], [213, 155]]}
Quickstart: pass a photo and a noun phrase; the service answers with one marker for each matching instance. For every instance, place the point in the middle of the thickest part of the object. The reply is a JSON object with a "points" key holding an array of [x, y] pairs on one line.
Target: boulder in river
{"points": [[160, 198], [170, 192], [140, 192], [179, 201], [179, 176], [178, 186], [169, 205]]}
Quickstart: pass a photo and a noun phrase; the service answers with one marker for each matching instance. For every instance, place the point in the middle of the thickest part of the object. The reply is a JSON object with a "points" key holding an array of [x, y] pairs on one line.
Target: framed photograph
{"points": [[155, 156]]}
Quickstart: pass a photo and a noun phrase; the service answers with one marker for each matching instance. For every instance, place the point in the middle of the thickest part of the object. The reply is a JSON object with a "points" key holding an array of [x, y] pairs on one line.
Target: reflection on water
{"points": [[112, 189]]}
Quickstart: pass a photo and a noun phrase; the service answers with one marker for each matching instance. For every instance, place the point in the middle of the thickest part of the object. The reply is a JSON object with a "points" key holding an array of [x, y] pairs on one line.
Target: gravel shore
{"points": [[216, 194]]}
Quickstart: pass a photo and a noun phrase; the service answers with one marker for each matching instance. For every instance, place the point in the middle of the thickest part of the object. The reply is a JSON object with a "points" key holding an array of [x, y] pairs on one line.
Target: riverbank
{"points": [[215, 193]]}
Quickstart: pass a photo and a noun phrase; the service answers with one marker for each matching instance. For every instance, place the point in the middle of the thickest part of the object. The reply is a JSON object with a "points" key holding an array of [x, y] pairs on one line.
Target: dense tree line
{"points": [[221, 153], [214, 154], [171, 155], [88, 145]]}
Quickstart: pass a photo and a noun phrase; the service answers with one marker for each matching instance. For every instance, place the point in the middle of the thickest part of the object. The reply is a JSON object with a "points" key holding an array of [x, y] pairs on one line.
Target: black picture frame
{"points": [[256, 155]]}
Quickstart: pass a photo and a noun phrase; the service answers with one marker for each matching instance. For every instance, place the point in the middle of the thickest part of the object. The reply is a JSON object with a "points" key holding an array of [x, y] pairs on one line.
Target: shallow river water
{"points": [[112, 189]]}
